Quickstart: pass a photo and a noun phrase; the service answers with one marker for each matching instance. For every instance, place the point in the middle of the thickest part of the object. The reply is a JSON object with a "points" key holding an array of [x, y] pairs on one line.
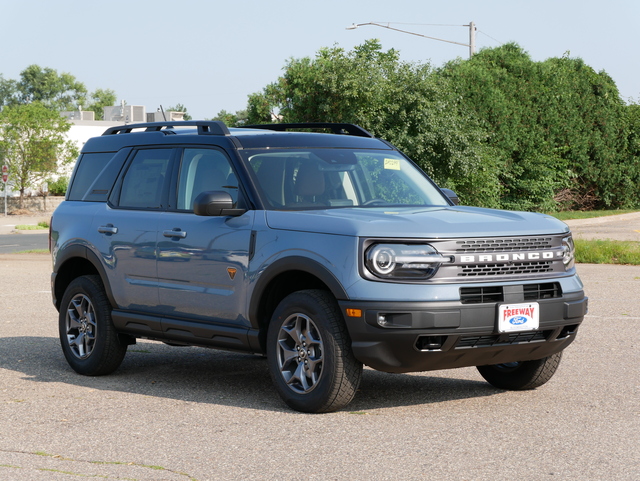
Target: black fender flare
{"points": [[293, 263], [80, 251]]}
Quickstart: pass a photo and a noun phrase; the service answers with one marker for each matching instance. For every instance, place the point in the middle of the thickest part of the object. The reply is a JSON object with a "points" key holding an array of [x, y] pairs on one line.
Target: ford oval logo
{"points": [[518, 320]]}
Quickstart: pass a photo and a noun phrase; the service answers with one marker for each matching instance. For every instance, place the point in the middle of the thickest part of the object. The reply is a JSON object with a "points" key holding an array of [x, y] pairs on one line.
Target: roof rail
{"points": [[205, 127], [336, 128]]}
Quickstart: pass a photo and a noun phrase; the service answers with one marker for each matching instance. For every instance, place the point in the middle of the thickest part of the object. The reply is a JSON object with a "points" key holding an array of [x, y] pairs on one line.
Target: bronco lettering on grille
{"points": [[509, 257]]}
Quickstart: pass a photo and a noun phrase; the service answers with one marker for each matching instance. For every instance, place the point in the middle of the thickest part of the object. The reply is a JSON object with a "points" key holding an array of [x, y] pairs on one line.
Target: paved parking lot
{"points": [[197, 414], [624, 227]]}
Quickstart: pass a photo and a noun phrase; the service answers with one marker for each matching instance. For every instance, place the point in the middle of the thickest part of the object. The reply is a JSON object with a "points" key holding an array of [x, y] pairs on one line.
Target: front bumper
{"points": [[425, 336]]}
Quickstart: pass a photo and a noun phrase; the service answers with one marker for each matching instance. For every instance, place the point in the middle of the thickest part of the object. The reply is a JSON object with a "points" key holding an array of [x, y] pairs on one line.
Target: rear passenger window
{"points": [[143, 183]]}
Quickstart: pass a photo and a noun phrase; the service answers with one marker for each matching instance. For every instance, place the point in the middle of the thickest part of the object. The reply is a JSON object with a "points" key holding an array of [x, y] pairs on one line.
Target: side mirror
{"points": [[215, 203], [453, 197]]}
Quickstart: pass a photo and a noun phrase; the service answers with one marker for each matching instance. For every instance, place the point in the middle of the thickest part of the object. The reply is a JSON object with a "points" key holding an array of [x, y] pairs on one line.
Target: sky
{"points": [[209, 55]]}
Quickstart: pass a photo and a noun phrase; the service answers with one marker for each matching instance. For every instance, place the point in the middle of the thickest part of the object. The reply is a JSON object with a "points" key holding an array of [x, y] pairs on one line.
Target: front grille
{"points": [[503, 245], [472, 270], [481, 295], [493, 294], [497, 340]]}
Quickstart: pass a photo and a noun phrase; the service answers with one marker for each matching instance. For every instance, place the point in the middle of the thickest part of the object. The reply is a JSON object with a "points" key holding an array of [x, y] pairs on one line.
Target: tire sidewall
{"points": [[304, 302], [527, 375], [91, 287]]}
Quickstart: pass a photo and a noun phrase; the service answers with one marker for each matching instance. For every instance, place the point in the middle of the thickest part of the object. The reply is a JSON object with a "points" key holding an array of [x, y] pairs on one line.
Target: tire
{"points": [[521, 376], [89, 340], [309, 353]]}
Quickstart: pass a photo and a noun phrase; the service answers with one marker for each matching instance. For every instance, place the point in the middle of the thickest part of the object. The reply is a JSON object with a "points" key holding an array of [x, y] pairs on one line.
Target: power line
{"points": [[425, 24], [472, 33], [495, 40]]}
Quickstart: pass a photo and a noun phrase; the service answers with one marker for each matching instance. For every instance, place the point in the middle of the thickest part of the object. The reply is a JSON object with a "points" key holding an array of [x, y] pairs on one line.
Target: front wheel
{"points": [[309, 353], [89, 340], [523, 375]]}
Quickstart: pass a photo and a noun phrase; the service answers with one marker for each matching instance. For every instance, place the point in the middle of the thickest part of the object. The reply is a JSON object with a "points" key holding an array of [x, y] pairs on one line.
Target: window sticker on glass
{"points": [[392, 164]]}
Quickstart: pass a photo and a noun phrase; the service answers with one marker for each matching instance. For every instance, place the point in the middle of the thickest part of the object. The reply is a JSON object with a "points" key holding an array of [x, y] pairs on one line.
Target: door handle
{"points": [[108, 229], [175, 233]]}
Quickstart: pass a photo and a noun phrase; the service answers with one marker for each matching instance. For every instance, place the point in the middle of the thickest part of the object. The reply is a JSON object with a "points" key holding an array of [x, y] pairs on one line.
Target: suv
{"points": [[322, 251]]}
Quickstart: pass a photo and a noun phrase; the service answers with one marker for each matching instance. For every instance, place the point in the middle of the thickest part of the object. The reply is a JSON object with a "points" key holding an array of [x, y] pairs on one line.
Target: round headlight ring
{"points": [[381, 260]]}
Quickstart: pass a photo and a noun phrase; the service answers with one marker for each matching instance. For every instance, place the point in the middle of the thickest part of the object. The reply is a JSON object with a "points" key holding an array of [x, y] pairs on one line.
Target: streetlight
{"points": [[471, 25]]}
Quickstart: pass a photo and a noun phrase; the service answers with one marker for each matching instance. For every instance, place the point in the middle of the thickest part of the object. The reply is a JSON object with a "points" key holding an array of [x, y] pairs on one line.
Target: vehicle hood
{"points": [[412, 222]]}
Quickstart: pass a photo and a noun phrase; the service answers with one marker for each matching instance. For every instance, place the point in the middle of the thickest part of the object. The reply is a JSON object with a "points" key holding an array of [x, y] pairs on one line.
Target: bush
{"points": [[58, 187]]}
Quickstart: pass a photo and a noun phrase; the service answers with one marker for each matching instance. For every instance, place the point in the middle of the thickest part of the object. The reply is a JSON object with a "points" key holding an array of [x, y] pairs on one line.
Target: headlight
{"points": [[569, 255], [403, 261]]}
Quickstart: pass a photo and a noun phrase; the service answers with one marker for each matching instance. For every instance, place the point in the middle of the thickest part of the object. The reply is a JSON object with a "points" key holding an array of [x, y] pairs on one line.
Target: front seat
{"points": [[309, 185]]}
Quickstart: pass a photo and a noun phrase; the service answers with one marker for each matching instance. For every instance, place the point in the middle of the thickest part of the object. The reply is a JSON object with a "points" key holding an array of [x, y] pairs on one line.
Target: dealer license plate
{"points": [[518, 317]]}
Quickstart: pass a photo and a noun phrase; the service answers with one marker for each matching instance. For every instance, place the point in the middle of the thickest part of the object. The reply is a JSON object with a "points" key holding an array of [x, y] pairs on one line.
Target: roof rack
{"points": [[205, 127], [336, 128]]}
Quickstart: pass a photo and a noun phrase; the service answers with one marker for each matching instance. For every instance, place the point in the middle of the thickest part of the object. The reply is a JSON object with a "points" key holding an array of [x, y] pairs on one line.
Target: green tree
{"points": [[262, 107], [557, 128], [500, 129], [232, 120], [8, 91], [61, 92], [53, 90], [101, 98], [58, 186], [399, 101], [33, 144]]}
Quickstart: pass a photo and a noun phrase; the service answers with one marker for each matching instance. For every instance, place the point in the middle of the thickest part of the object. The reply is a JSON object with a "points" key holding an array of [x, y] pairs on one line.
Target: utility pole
{"points": [[472, 39]]}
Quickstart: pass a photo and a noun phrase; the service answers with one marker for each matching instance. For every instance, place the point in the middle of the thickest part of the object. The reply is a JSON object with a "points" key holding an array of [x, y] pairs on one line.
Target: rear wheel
{"points": [[523, 375], [89, 340], [309, 353]]}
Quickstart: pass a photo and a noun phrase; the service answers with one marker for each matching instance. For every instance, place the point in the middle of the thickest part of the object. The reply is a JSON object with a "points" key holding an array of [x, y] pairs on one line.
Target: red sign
{"points": [[4, 178], [5, 169]]}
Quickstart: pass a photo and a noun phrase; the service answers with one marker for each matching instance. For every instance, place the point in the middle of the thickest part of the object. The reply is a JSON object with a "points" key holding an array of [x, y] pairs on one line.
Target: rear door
{"points": [[127, 228]]}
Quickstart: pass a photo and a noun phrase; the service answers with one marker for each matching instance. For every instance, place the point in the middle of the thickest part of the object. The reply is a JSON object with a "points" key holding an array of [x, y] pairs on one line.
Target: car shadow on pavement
{"points": [[217, 377]]}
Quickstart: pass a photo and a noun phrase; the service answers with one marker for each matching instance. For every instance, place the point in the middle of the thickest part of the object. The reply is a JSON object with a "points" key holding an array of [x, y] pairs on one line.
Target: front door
{"points": [[203, 261]]}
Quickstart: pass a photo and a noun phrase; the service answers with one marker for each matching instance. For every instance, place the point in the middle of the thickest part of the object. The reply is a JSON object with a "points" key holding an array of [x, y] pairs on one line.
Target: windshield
{"points": [[329, 178]]}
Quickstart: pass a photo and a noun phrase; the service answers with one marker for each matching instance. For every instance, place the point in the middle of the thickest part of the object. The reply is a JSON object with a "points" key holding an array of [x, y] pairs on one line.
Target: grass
{"points": [[39, 226], [607, 252], [588, 214]]}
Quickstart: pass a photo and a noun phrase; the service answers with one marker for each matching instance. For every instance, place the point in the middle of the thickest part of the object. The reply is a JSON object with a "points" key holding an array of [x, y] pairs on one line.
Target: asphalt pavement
{"points": [[16, 240], [172, 413], [187, 413], [624, 227]]}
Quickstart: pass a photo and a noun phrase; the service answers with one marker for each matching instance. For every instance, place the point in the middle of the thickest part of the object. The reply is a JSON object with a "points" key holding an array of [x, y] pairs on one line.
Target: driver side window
{"points": [[204, 170]]}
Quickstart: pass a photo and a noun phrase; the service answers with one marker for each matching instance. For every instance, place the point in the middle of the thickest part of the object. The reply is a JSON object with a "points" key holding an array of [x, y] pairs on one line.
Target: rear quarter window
{"points": [[87, 171]]}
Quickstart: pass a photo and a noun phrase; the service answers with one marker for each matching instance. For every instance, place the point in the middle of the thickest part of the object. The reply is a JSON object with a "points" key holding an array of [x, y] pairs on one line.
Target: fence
{"points": [[36, 204]]}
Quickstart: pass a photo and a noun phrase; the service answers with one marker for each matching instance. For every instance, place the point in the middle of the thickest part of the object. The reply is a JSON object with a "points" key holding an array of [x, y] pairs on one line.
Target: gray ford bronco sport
{"points": [[323, 251]]}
